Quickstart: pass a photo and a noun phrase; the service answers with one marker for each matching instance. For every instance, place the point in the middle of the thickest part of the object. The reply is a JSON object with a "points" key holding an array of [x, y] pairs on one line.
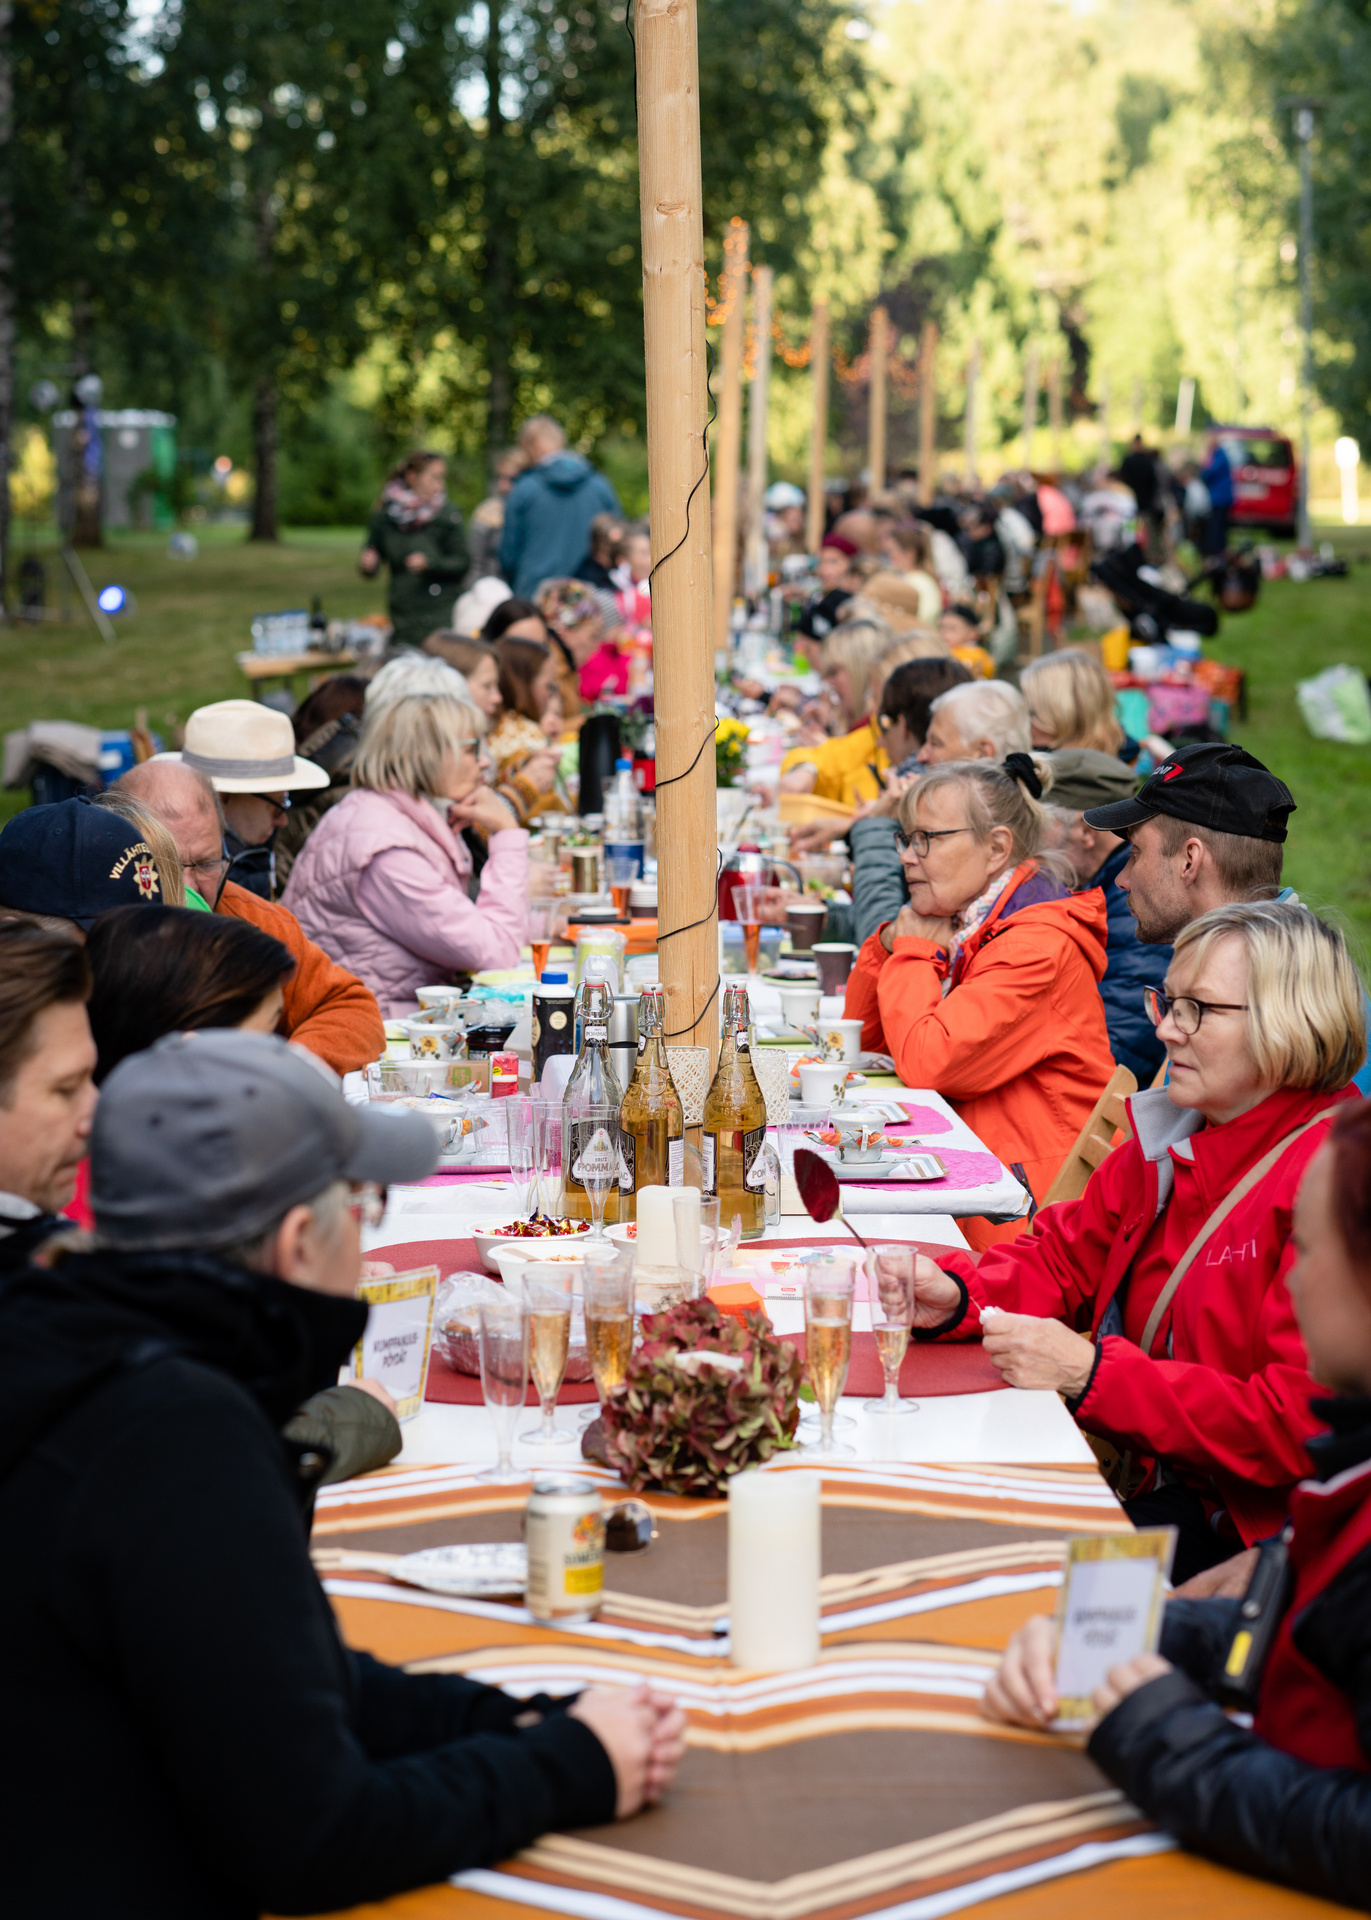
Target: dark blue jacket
{"points": [[1130, 967], [1217, 475], [547, 521]]}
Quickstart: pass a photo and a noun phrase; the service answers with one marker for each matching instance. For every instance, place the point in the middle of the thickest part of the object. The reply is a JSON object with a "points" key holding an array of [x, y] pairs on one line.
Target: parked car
{"points": [[1265, 479]]}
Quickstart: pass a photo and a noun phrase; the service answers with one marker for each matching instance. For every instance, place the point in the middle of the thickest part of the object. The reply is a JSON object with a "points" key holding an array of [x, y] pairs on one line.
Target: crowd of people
{"points": [[191, 958]]}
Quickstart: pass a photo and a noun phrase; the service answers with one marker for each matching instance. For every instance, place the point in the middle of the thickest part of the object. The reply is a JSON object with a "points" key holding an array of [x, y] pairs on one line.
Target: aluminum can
{"points": [[564, 1531]]}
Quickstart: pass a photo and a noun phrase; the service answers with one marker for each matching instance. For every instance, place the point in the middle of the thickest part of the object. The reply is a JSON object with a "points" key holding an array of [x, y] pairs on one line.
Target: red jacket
{"points": [[1018, 1045], [1223, 1396]]}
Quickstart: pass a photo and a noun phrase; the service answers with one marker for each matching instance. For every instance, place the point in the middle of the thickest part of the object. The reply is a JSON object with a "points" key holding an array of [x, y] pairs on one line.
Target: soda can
{"points": [[564, 1531]]}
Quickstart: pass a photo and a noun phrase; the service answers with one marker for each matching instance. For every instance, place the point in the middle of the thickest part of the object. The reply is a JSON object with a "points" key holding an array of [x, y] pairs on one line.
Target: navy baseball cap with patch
{"points": [[1211, 784], [77, 861]]}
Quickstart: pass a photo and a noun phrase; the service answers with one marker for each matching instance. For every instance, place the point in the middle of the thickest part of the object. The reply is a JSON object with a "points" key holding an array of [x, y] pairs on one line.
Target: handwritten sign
{"points": [[394, 1348], [1110, 1610]]}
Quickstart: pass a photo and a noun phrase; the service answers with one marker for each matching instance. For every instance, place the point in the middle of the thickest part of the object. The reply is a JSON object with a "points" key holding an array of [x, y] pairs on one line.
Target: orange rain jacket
{"points": [[328, 1010], [1018, 1044]]}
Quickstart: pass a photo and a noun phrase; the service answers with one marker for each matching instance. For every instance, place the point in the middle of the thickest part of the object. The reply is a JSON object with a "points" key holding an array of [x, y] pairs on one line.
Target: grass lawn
{"points": [[177, 651]]}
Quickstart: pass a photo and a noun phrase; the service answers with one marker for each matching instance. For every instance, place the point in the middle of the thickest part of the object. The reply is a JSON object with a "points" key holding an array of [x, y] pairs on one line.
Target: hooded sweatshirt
{"points": [[178, 1678], [547, 521]]}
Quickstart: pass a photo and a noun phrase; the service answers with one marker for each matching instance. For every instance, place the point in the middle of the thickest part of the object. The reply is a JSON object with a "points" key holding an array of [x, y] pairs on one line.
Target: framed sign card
{"points": [[1110, 1610], [394, 1348]]}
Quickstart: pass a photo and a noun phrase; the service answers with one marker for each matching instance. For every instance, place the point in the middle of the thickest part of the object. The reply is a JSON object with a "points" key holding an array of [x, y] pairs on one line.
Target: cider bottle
{"points": [[593, 1083], [735, 1126], [652, 1119]]}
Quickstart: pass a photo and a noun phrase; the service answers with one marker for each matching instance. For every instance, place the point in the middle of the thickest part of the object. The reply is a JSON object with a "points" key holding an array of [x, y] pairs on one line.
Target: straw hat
{"points": [[243, 747]]}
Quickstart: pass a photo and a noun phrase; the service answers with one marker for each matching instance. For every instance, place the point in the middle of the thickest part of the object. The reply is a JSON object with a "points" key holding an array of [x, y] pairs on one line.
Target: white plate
{"points": [[466, 1572], [910, 1166]]}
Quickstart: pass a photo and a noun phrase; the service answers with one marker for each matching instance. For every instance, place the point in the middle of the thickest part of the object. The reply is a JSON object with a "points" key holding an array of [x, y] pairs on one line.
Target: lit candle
{"points": [[656, 1228], [773, 1569]]}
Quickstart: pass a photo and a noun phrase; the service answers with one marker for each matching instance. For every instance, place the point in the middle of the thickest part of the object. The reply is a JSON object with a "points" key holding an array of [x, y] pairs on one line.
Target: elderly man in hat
{"points": [[225, 760]]}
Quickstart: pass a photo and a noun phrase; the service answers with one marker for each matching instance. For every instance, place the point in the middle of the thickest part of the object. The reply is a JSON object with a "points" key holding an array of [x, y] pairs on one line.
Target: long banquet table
{"points": [[866, 1788]]}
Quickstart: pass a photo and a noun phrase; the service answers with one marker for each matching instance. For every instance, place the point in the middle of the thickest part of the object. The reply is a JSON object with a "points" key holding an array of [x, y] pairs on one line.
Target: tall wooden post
{"points": [[677, 409], [728, 437], [1030, 403], [1106, 430], [1054, 413], [757, 558], [928, 412], [818, 433], [969, 430], [876, 401]]}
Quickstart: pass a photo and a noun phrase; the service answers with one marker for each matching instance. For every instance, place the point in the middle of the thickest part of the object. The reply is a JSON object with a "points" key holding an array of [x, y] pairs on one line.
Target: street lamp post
{"points": [[1304, 133]]}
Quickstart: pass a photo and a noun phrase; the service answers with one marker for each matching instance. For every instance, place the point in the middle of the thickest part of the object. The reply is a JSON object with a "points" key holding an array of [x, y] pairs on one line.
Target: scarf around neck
{"points": [[973, 915], [404, 507]]}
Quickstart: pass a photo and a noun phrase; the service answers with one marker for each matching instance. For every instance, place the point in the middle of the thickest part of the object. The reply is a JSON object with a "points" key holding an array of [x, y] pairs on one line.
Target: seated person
{"points": [[1289, 1798], [1071, 704], [909, 552], [327, 724], [848, 767], [983, 721], [184, 1681], [518, 743], [475, 661], [579, 625], [837, 584], [63, 865], [984, 986], [1203, 1395], [47, 1092], [960, 631]]}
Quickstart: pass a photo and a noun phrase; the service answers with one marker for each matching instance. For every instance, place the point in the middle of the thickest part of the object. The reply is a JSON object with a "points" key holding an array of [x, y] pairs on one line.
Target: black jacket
{"points": [[1217, 1787], [186, 1732]]}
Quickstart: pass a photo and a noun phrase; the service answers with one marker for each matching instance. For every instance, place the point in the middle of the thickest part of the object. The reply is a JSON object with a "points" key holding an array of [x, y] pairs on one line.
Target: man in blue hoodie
{"points": [[550, 508]]}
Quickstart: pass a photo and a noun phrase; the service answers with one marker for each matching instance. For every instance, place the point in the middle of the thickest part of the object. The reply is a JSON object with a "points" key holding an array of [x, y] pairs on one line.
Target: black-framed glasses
{"points": [[919, 841], [1185, 1010]]}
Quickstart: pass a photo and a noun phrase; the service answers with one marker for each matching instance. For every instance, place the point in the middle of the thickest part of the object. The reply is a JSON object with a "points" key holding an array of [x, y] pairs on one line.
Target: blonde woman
{"points": [[384, 883], [986, 986], [1204, 1388], [839, 769], [1071, 704]]}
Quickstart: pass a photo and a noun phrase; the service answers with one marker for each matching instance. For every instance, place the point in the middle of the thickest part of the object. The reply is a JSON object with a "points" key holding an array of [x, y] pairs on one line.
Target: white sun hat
{"points": [[243, 747]]}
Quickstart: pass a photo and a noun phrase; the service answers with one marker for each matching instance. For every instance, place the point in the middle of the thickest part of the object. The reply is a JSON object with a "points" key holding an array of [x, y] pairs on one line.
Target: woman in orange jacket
{"points": [[986, 986]]}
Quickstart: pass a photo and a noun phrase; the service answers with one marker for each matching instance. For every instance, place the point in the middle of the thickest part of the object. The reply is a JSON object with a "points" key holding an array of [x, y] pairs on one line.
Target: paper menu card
{"points": [[394, 1347], [1110, 1610]]}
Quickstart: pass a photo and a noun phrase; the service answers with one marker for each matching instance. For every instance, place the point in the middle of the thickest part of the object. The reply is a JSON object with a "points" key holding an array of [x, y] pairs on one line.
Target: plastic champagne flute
{"points": [[890, 1283], [547, 1292], [829, 1284], [504, 1379]]}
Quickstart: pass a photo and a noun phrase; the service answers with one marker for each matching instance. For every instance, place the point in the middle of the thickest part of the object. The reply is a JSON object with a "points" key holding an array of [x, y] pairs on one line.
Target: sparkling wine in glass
{"points": [[547, 1292], [609, 1325], [747, 904], [620, 873], [890, 1282], [828, 1283], [504, 1379]]}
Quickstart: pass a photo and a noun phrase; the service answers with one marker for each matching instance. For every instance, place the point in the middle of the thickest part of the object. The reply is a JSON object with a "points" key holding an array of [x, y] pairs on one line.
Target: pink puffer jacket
{"points": [[381, 885]]}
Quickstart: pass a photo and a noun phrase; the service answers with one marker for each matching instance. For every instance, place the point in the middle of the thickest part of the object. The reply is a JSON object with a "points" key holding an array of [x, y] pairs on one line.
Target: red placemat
{"points": [[957, 1366]]}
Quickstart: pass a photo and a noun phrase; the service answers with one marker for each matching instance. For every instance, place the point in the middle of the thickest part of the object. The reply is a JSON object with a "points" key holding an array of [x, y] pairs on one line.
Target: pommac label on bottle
{"points": [[594, 1155], [709, 1161], [732, 1139], [628, 1159], [754, 1169]]}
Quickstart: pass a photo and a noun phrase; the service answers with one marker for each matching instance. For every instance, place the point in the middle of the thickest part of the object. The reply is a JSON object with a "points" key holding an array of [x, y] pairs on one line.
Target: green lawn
{"points": [[177, 651]]}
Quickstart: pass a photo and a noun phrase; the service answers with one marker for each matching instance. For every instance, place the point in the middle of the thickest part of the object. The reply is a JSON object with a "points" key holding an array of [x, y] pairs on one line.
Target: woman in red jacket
{"points": [[1202, 1387], [1290, 1798], [986, 986]]}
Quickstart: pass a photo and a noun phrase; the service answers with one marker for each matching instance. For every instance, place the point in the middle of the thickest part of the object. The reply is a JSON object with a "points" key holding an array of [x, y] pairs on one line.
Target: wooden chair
{"points": [[1096, 1138]]}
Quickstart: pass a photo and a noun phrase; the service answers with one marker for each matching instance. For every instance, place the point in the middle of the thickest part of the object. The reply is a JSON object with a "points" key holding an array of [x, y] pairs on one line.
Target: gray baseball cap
{"points": [[210, 1138]]}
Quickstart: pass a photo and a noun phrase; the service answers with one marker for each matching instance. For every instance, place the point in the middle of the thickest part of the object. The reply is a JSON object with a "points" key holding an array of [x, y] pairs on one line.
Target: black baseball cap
{"points": [[208, 1139], [76, 860], [1212, 784]]}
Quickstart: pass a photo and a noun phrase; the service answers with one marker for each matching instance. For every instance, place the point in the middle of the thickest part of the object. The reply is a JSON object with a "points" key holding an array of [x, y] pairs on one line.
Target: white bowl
{"points": [[490, 1240]]}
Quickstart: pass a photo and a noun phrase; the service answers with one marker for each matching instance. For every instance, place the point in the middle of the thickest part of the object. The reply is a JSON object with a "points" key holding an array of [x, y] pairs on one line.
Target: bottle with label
{"points": [[734, 1130], [593, 1083], [624, 817], [652, 1119], [553, 1015]]}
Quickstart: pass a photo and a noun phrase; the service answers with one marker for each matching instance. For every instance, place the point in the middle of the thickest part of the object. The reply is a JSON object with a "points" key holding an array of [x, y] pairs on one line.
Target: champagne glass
{"points": [[621, 870], [547, 1292], [521, 1132], [549, 1117], [504, 1378], [747, 904], [593, 1144], [697, 1238], [608, 1292], [890, 1283], [829, 1283]]}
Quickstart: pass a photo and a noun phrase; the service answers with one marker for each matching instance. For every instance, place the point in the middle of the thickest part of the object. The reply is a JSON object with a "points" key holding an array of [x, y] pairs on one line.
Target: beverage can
{"points": [[564, 1531]]}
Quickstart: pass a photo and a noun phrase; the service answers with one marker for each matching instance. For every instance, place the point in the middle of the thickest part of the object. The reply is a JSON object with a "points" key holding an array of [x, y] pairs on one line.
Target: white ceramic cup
{"points": [[846, 1035], [800, 1006], [822, 1082]]}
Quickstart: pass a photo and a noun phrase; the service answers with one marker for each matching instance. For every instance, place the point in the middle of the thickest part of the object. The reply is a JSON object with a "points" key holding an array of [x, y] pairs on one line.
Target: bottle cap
{"points": [[623, 765], [552, 979]]}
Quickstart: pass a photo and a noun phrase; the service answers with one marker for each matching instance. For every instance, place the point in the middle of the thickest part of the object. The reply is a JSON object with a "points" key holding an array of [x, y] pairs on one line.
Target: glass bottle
{"points": [[652, 1117], [734, 1125], [593, 1083]]}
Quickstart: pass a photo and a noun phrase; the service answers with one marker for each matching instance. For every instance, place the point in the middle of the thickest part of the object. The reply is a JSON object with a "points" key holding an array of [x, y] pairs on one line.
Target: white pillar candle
{"points": [[773, 1569], [656, 1228]]}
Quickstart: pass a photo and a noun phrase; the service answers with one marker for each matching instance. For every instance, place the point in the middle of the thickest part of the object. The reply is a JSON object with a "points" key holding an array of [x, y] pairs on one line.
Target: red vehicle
{"points": [[1265, 479]]}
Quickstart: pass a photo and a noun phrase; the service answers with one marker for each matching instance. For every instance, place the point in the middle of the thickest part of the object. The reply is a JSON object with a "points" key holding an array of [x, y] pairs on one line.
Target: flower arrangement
{"points": [[704, 1396], [730, 750]]}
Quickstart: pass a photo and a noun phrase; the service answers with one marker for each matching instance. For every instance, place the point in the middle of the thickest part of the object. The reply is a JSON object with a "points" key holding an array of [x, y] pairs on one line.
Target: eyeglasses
{"points": [[919, 841], [367, 1203], [1185, 1011]]}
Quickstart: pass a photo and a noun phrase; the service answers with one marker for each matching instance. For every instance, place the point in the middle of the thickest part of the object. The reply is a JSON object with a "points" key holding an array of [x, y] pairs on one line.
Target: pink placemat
{"points": [[922, 1120]]}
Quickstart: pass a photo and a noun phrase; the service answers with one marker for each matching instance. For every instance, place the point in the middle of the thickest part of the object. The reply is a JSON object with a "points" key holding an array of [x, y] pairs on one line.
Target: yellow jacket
{"points": [[849, 769]]}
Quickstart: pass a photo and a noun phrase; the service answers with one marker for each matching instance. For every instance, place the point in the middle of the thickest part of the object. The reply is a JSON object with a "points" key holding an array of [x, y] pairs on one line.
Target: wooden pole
{"points": [[728, 438], [757, 559], [818, 433], [928, 412], [1030, 403], [677, 409], [1106, 431], [1054, 413], [876, 402], [973, 374]]}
